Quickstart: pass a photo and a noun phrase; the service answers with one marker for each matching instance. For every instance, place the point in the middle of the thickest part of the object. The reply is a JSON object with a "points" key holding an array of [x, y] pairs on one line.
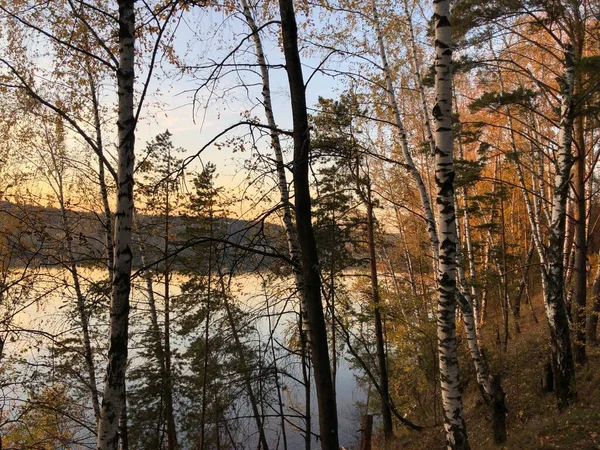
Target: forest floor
{"points": [[533, 421]]}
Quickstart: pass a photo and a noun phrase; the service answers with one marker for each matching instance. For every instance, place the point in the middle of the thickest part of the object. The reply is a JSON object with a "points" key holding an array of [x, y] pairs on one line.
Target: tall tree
{"points": [[454, 422], [317, 331], [113, 400]]}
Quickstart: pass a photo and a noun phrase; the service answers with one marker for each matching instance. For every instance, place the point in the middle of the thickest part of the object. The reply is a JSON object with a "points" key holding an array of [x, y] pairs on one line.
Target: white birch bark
{"points": [[409, 162], [113, 401], [290, 231], [454, 423], [419, 78], [562, 356], [466, 303]]}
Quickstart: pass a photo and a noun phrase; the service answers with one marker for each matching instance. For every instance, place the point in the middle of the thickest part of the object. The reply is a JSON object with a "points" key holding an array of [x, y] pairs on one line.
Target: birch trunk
{"points": [[556, 313], [292, 239], [454, 423], [113, 401], [108, 228], [409, 162], [419, 78], [328, 422], [290, 232], [465, 302], [469, 245], [109, 236]]}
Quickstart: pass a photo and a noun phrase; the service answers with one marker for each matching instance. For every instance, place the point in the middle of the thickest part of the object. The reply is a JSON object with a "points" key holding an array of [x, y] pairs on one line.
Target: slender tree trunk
{"points": [[580, 289], [504, 277], [328, 422], [109, 238], [291, 235], [206, 336], [408, 159], [386, 412], [168, 379], [466, 305], [113, 401], [468, 242], [108, 228], [366, 432], [592, 319], [524, 284], [245, 370], [419, 78], [454, 423], [306, 381], [72, 266]]}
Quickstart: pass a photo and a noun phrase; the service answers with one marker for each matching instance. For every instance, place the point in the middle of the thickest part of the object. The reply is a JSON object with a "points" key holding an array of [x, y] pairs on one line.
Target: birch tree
{"points": [[454, 422]]}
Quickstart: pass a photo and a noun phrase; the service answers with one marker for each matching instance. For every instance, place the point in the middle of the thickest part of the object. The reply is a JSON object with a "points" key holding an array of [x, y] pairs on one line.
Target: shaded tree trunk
{"points": [[317, 336], [592, 319], [366, 432], [73, 269], [386, 412], [580, 288]]}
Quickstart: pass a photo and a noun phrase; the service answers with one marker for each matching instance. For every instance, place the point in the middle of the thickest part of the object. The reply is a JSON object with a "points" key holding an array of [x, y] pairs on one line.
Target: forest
{"points": [[311, 224]]}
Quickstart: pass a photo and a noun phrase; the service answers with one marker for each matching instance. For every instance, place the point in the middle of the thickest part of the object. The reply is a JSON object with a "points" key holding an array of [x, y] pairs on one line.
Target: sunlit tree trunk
{"points": [[454, 422], [466, 305], [408, 159], [419, 78], [592, 319]]}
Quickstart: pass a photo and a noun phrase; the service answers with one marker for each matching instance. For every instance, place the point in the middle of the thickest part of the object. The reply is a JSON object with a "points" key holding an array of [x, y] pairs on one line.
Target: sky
{"points": [[193, 129]]}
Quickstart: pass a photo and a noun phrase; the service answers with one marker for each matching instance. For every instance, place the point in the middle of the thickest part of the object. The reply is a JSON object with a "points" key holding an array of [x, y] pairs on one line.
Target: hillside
{"points": [[533, 421], [37, 235]]}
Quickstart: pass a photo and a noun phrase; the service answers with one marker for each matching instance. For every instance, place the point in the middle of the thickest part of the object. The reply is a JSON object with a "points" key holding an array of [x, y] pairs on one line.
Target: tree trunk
{"points": [[245, 370], [556, 313], [113, 401], [386, 412], [366, 432], [500, 410], [419, 78], [408, 160], [328, 423], [292, 239], [167, 379], [454, 423], [72, 267], [580, 289], [592, 319], [466, 305]]}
